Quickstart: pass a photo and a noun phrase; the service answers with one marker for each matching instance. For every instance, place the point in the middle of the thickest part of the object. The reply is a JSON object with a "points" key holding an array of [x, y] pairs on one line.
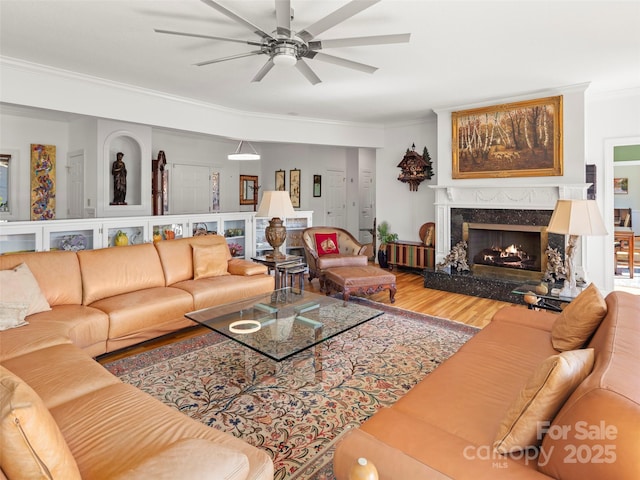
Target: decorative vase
{"points": [[121, 239], [382, 258]]}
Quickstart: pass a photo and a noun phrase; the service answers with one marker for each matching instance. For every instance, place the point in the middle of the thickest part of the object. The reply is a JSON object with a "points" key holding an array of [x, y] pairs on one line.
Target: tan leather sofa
{"points": [[352, 252], [446, 425], [104, 300]]}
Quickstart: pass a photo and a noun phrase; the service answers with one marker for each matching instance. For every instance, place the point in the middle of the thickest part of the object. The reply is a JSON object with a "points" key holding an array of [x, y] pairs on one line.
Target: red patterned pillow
{"points": [[327, 243]]}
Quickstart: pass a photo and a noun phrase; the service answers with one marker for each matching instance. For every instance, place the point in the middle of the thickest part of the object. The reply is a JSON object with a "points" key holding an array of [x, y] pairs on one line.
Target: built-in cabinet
{"points": [[91, 233], [295, 225]]}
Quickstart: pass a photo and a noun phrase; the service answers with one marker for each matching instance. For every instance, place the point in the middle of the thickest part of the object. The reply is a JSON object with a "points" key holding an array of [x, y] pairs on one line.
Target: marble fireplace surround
{"points": [[512, 205], [528, 204]]}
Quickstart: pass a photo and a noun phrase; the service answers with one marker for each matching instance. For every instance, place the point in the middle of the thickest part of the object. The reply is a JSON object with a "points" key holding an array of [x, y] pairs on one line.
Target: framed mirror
{"points": [[248, 189]]}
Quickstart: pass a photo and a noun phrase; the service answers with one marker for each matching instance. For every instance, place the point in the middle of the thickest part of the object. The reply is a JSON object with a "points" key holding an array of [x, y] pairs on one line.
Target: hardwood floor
{"points": [[411, 295]]}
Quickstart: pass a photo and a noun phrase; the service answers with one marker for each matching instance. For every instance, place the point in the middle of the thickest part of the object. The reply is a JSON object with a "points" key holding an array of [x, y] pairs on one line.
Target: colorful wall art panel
{"points": [[43, 182]]}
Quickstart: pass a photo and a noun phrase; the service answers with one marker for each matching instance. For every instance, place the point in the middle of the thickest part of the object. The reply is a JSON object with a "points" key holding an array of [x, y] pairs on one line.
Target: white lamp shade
{"points": [[275, 204], [577, 217]]}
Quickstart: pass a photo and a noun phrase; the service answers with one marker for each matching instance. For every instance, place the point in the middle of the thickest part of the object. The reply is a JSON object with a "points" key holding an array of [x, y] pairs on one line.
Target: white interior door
{"points": [[367, 196], [190, 189], [336, 198], [75, 184]]}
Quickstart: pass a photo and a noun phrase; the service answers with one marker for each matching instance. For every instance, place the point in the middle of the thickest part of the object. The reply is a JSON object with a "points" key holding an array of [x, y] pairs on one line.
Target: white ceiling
{"points": [[461, 52]]}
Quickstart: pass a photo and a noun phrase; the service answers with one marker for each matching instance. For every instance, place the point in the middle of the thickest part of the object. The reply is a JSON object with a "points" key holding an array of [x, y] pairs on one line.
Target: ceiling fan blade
{"points": [[231, 57], [210, 37], [309, 74], [283, 17], [331, 20], [343, 62], [263, 71], [360, 41], [234, 16]]}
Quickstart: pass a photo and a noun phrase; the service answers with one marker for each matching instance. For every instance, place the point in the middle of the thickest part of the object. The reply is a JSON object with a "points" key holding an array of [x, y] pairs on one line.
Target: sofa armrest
{"points": [[191, 458], [239, 266]]}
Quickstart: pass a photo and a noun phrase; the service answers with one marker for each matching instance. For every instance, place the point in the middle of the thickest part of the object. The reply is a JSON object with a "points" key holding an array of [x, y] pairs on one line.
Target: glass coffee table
{"points": [[285, 322]]}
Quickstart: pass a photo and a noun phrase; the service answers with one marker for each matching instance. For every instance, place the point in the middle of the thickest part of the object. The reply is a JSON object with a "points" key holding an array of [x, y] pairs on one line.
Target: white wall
{"points": [[18, 133], [405, 211], [612, 119]]}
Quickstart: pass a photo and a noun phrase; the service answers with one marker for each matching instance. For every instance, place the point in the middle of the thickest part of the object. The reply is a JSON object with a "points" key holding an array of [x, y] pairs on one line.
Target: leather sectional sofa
{"points": [[64, 416], [446, 426]]}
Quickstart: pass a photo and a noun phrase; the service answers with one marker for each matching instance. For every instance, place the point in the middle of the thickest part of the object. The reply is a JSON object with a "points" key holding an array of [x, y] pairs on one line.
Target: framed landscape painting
{"points": [[522, 139]]}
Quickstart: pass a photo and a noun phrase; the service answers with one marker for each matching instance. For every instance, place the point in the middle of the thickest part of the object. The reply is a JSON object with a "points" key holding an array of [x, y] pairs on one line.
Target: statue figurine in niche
{"points": [[119, 172]]}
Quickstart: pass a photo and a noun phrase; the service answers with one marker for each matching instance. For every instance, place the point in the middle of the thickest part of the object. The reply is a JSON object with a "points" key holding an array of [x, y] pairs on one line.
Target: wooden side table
{"points": [[274, 264]]}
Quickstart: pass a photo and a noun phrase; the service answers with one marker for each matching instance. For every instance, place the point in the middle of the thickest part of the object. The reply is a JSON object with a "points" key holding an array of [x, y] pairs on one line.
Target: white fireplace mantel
{"points": [[531, 197]]}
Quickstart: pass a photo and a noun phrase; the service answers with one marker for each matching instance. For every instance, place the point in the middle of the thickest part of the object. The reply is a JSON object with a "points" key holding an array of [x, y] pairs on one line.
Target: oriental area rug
{"points": [[296, 409]]}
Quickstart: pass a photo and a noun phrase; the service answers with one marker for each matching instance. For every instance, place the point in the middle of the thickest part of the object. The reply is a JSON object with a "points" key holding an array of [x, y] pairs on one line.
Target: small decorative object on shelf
{"points": [[157, 236], [414, 168], [121, 239], [457, 258], [73, 243], [236, 249]]}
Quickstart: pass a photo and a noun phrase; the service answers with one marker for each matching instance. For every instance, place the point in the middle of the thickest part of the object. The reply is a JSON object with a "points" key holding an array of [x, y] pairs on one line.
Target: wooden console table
{"points": [[625, 243]]}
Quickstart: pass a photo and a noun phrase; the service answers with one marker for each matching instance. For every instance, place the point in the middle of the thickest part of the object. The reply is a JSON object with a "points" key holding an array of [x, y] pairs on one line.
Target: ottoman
{"points": [[364, 280]]}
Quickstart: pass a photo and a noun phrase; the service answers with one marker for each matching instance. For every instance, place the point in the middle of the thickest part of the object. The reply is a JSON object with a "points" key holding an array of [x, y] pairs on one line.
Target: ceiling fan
{"points": [[287, 47]]}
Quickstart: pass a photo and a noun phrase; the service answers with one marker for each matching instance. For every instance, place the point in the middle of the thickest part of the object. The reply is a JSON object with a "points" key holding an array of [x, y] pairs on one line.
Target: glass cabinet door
{"points": [[124, 232], [168, 228], [204, 225], [20, 238], [72, 237], [234, 232]]}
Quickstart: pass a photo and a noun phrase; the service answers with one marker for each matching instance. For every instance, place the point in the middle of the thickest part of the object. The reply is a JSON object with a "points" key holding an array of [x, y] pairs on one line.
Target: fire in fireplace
{"points": [[516, 247]]}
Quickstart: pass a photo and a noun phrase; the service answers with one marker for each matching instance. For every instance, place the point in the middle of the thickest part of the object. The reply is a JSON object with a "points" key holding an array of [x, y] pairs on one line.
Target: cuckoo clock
{"points": [[414, 169]]}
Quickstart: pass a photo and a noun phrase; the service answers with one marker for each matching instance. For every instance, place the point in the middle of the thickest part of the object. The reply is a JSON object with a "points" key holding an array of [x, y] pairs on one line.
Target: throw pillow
{"points": [[579, 320], [12, 315], [31, 444], [19, 285], [210, 260], [327, 243], [541, 398]]}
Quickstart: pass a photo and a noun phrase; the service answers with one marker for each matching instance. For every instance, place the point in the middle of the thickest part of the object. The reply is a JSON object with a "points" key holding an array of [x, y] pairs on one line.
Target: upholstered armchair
{"points": [[327, 247]]}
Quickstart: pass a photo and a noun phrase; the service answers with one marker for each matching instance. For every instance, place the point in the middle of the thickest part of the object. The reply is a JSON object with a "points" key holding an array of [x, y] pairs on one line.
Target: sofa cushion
{"points": [[19, 285], [209, 261], [541, 398], [108, 272], [177, 256], [46, 267], [31, 444], [327, 243], [579, 320]]}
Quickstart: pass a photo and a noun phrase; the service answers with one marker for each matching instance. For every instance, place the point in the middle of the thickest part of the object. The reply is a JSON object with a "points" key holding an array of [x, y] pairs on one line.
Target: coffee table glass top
{"points": [[285, 322]]}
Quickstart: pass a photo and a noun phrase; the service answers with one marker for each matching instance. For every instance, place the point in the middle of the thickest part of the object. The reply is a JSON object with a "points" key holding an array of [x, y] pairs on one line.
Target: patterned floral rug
{"points": [[296, 409]]}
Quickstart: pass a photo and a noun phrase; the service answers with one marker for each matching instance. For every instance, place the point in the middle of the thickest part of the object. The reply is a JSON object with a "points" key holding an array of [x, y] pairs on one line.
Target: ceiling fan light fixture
{"points": [[284, 55], [239, 154]]}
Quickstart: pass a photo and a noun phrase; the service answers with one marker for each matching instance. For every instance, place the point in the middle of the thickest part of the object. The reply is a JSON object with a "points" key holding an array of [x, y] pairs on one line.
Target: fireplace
{"points": [[511, 250]]}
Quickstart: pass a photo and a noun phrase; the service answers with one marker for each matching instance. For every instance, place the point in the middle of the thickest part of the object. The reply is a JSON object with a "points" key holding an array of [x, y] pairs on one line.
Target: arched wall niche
{"points": [[135, 144]]}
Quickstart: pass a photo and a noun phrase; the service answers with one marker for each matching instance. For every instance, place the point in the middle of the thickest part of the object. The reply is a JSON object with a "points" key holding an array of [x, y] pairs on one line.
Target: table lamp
{"points": [[575, 218], [277, 205]]}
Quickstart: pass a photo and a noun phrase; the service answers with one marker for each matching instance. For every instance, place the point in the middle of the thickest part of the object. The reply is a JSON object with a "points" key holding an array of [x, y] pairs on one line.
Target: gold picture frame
{"points": [[280, 181], [294, 187], [522, 139]]}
